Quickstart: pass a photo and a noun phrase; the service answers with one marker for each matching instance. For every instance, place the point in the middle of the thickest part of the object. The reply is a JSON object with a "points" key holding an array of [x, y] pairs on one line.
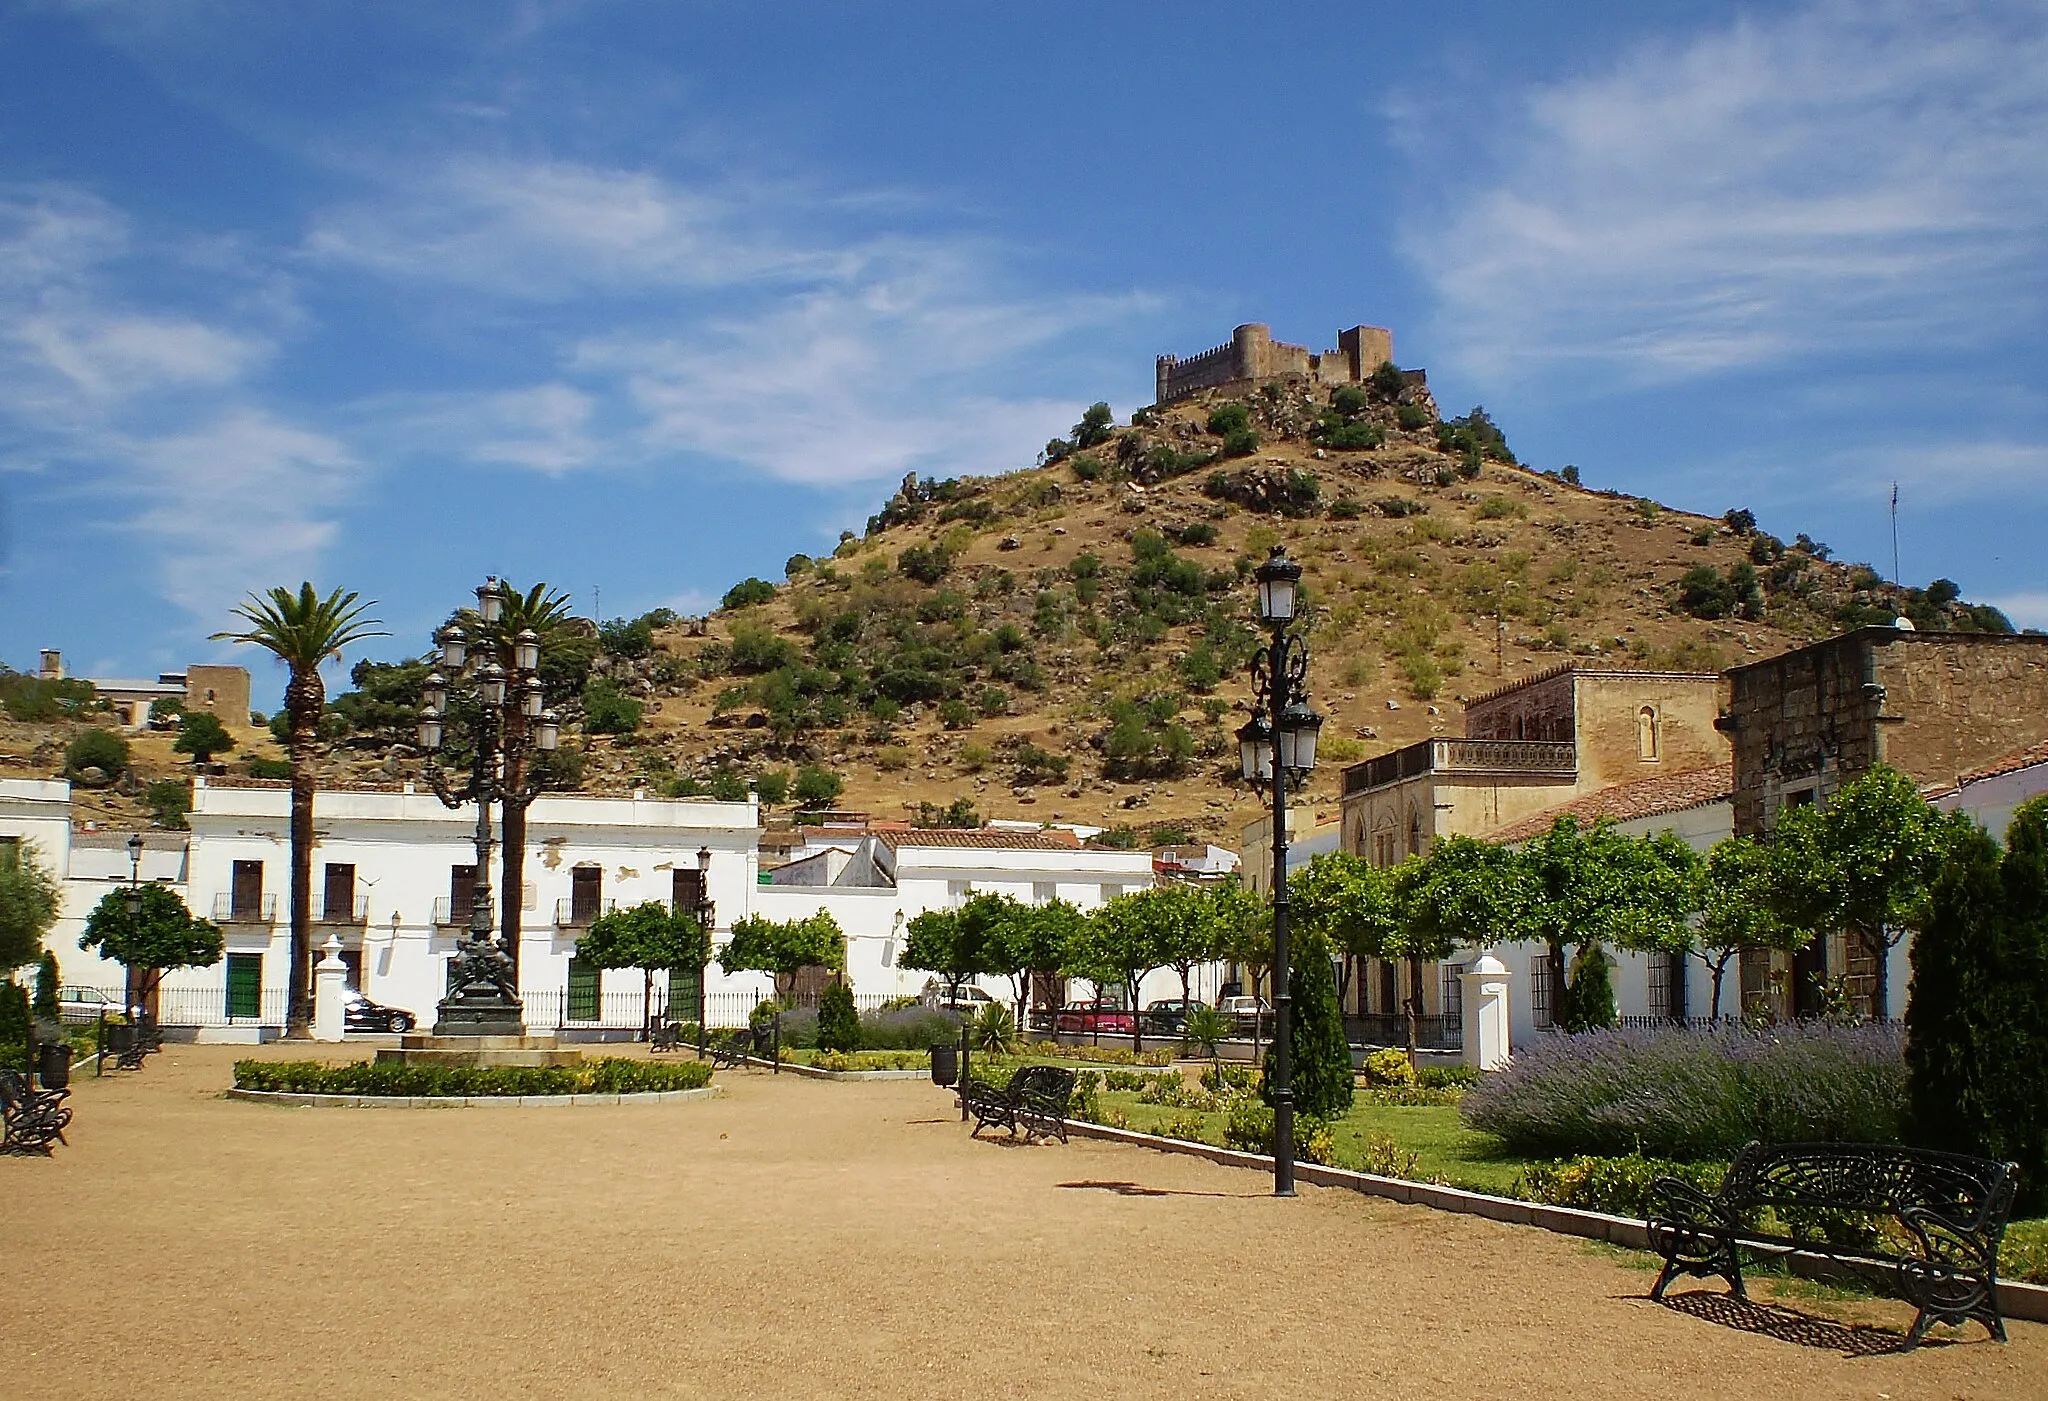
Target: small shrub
{"points": [[1226, 419], [1388, 1067], [1346, 508], [1087, 467], [994, 1029], [1186, 1126], [1412, 416], [168, 801], [1385, 1158], [746, 593], [1495, 508], [1230, 1078], [956, 714], [96, 749], [816, 788], [610, 1076], [608, 712], [1619, 1186], [1240, 442], [892, 758], [838, 1023]]}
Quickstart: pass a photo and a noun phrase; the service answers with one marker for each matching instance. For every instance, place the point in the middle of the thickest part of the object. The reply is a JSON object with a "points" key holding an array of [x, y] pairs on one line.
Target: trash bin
{"points": [[120, 1038], [945, 1065], [53, 1064]]}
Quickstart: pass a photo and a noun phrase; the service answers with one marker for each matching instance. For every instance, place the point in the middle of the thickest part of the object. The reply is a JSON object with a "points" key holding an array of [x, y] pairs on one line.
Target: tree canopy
{"points": [[28, 906], [782, 946], [646, 936], [166, 935]]}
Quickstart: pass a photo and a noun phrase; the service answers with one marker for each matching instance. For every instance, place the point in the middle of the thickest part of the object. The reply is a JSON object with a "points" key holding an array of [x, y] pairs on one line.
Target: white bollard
{"points": [[1485, 986], [330, 990]]}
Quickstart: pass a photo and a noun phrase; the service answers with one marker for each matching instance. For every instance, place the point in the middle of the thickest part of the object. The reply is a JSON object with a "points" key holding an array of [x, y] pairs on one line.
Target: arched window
{"points": [[1646, 733]]}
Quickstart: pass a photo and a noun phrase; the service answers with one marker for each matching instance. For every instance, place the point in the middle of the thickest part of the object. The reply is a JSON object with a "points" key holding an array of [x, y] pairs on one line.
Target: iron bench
{"points": [[33, 1118], [1924, 1225], [1037, 1100]]}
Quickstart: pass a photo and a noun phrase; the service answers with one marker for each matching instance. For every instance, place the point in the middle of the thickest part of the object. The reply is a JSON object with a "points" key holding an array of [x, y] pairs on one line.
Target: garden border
{"points": [[790, 1067], [2015, 1300], [292, 1099]]}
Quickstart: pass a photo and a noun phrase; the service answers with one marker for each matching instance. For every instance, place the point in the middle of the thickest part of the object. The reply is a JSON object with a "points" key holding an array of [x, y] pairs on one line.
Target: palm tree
{"points": [[303, 630]]}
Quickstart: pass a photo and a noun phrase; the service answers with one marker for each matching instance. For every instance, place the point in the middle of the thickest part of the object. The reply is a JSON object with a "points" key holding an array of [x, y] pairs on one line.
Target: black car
{"points": [[1167, 1016], [359, 1013]]}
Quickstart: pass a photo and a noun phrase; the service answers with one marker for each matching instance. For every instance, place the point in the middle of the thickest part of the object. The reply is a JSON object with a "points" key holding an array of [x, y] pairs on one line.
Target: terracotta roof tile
{"points": [[1652, 797], [2012, 763], [983, 839]]}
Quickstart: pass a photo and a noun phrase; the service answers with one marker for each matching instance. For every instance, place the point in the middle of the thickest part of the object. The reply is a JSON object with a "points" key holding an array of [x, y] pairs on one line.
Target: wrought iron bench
{"points": [[1921, 1224], [1037, 1100], [33, 1118], [665, 1036], [736, 1048]]}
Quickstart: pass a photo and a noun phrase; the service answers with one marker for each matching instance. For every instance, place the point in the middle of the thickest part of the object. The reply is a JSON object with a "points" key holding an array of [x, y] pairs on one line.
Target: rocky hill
{"points": [[1067, 642]]}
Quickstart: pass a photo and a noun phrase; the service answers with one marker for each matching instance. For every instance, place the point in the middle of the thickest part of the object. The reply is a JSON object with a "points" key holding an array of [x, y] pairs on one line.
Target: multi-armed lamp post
{"points": [[483, 994], [1282, 729]]}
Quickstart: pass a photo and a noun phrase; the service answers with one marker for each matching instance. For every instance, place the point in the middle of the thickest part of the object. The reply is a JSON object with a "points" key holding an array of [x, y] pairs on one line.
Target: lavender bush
{"points": [[908, 1029], [1695, 1095]]}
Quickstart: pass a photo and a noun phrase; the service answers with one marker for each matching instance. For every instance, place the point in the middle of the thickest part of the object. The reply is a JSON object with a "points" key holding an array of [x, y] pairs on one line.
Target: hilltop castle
{"points": [[1253, 354]]}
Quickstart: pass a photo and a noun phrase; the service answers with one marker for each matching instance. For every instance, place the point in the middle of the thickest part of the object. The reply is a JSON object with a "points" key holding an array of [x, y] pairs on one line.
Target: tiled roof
{"points": [[983, 839], [1652, 797], [2012, 763]]}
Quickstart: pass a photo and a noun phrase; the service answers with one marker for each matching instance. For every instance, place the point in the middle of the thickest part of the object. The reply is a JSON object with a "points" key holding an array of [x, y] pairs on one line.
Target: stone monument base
{"points": [[526, 1051]]}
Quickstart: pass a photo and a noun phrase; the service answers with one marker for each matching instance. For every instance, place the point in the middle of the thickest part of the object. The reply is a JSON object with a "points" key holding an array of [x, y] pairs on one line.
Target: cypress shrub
{"points": [[1589, 997], [13, 1026], [1977, 1034], [46, 987], [1322, 1057], [838, 1023]]}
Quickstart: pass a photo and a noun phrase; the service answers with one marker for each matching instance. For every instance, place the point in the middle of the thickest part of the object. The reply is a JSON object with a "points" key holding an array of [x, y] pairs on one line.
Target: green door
{"points": [[582, 991], [685, 991], [245, 985]]}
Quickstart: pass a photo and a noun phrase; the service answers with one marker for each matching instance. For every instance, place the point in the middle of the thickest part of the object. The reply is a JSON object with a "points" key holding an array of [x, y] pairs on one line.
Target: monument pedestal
{"points": [[470, 1050]]}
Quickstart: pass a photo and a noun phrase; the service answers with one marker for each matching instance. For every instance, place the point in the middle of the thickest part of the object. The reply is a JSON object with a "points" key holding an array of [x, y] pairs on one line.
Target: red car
{"points": [[1088, 1017]]}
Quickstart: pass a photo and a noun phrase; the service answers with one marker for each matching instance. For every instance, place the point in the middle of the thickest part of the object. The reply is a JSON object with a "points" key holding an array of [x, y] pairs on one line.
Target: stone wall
{"points": [[224, 690], [1628, 725], [1253, 356], [1932, 704]]}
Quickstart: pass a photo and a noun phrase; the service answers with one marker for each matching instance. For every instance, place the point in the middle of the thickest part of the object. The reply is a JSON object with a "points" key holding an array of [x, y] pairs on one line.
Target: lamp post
{"points": [[483, 996], [134, 902], [1276, 744]]}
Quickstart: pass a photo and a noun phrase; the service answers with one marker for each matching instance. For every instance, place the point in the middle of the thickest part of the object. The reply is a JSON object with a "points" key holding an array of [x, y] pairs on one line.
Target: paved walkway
{"points": [[808, 1239]]}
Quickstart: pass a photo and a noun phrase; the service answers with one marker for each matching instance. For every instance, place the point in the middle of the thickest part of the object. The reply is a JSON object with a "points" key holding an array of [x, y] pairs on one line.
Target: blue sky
{"points": [[644, 297]]}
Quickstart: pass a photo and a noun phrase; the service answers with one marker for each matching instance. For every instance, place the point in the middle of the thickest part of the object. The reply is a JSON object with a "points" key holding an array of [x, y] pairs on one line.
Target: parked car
{"points": [[78, 1005], [1093, 1017], [967, 1002], [359, 1013], [1167, 1016], [1248, 1014]]}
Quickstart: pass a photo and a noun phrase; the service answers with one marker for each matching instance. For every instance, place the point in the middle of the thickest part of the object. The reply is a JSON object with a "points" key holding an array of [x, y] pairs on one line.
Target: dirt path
{"points": [[807, 1239]]}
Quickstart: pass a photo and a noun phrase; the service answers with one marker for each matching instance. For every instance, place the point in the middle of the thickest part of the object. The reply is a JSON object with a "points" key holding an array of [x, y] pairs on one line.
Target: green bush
{"points": [[927, 564], [1412, 416], [1240, 442], [1322, 1081], [96, 749], [1618, 1186], [604, 1077], [838, 1023], [1388, 1067], [607, 711], [746, 593], [1226, 419], [201, 734], [1249, 1129], [169, 800], [816, 788], [44, 1004]]}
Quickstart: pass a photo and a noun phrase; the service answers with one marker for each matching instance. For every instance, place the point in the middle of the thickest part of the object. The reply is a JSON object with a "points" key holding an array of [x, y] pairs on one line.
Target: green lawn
{"points": [[1445, 1150]]}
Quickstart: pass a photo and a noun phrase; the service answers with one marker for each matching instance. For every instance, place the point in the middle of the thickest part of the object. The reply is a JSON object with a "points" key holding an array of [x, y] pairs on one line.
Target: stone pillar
{"points": [[1486, 1013], [330, 988]]}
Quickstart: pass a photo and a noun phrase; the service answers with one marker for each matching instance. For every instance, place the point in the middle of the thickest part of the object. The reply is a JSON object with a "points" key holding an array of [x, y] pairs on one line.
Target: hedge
{"points": [[605, 1077]]}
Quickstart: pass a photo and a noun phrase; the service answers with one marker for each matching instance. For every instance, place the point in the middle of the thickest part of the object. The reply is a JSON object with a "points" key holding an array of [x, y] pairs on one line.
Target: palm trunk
{"points": [[512, 861], [304, 700], [1414, 1006]]}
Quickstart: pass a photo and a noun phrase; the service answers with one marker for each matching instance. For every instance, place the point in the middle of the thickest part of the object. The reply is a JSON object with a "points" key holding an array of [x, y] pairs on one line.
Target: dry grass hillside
{"points": [[1068, 642]]}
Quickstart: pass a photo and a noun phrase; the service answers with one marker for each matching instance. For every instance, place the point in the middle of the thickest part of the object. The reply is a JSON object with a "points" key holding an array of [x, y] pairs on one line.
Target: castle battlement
{"points": [[1252, 354]]}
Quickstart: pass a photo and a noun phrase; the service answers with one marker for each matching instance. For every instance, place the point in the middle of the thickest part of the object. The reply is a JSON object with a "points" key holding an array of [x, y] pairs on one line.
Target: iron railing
{"points": [[356, 911], [573, 913], [1433, 1031], [228, 910], [1548, 758], [450, 915]]}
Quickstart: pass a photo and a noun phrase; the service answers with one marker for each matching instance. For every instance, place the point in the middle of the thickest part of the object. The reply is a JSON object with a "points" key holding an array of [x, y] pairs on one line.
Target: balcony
{"points": [[575, 913], [260, 909], [355, 912], [452, 914], [1554, 760]]}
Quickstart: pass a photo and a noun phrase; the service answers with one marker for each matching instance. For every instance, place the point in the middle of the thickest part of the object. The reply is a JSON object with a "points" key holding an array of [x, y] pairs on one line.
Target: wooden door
{"points": [[247, 896]]}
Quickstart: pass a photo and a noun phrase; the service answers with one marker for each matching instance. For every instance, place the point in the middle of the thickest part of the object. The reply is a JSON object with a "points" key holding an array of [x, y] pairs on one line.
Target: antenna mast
{"points": [[1895, 535]]}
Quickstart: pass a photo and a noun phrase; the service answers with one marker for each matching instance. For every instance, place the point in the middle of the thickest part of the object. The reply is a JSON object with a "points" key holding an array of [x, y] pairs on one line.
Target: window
{"points": [[461, 893], [10, 853], [583, 987], [586, 893], [352, 959], [1414, 832], [245, 985], [1453, 999], [957, 892], [247, 892], [1660, 985], [1539, 990], [1044, 892], [686, 889], [685, 994], [1646, 734], [1383, 848], [1110, 892], [338, 893]]}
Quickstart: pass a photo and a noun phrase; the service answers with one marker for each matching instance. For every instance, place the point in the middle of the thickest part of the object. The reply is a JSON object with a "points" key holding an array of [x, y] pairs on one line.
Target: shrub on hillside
{"points": [[1695, 1095], [746, 593], [96, 749]]}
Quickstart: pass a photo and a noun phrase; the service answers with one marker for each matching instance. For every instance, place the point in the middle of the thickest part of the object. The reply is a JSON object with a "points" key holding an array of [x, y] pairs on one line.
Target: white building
{"points": [[1990, 794], [876, 883]]}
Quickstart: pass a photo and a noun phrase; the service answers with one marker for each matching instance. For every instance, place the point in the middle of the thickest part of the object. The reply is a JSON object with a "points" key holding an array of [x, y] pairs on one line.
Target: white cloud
{"points": [[2026, 610], [1859, 178], [144, 411]]}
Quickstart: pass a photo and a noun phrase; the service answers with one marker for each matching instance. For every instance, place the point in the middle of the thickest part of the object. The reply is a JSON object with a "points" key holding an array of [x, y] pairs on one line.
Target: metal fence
{"points": [[1433, 1032], [206, 1006]]}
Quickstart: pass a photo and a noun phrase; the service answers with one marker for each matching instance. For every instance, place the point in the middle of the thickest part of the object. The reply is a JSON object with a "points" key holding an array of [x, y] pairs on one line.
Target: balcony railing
{"points": [[449, 915], [577, 914], [1508, 758], [356, 911], [229, 910]]}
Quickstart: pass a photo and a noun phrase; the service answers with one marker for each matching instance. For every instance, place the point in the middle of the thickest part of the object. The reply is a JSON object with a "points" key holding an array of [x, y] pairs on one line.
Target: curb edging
{"points": [[2015, 1300]]}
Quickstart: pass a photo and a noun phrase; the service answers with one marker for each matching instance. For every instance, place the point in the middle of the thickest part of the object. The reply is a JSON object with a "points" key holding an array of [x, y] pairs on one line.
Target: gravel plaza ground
{"points": [[798, 1238]]}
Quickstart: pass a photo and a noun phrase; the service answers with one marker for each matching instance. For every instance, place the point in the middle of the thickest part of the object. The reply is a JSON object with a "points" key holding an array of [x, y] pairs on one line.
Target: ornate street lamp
{"points": [[1278, 744], [483, 997]]}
